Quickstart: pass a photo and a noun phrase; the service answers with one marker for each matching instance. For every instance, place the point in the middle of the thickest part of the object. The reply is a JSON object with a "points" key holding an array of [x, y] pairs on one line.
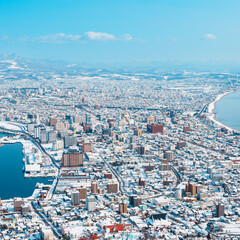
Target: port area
{"points": [[35, 163]]}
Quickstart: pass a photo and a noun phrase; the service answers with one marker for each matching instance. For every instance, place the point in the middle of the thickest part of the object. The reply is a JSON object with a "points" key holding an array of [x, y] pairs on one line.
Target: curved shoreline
{"points": [[23, 142], [28, 184], [212, 115]]}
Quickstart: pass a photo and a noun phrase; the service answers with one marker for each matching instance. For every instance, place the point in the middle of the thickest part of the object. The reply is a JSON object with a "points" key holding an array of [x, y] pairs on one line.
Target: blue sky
{"points": [[121, 30]]}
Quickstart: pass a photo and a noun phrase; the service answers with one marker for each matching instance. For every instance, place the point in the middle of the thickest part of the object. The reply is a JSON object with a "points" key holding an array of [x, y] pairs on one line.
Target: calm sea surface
{"points": [[12, 181], [228, 110]]}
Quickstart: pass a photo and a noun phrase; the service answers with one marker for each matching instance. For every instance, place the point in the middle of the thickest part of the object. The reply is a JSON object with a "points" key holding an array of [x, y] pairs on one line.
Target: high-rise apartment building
{"points": [[94, 188], [142, 182], [83, 193], [155, 128], [70, 141], [43, 135], [75, 197], [191, 188], [141, 150], [112, 187], [169, 156], [123, 208], [30, 127], [91, 203], [37, 131], [87, 147], [135, 200], [72, 158], [220, 210], [51, 136]]}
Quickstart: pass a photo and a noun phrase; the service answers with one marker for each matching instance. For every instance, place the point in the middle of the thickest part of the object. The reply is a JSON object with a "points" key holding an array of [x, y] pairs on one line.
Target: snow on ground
{"points": [[9, 125]]}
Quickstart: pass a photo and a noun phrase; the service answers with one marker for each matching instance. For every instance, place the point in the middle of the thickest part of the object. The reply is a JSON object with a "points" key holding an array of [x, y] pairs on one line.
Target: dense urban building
{"points": [[125, 155], [72, 158]]}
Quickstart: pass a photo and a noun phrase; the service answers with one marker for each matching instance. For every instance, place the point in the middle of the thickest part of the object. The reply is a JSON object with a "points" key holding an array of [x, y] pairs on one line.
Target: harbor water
{"points": [[227, 110], [13, 184]]}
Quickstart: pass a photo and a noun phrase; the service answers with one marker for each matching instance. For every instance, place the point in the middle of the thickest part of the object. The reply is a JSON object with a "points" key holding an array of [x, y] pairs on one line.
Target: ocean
{"points": [[13, 184], [227, 110]]}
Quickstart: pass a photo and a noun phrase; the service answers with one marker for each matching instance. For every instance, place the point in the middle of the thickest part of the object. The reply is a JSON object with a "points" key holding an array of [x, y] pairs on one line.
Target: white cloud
{"points": [[127, 37], [5, 37], [70, 38], [210, 36], [100, 36], [57, 38]]}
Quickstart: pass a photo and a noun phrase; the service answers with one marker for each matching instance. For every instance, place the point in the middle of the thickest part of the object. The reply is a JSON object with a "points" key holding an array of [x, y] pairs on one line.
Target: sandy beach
{"points": [[212, 115]]}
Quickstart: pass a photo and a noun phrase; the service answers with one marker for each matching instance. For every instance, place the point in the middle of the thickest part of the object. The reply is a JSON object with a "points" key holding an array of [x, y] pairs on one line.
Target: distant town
{"points": [[131, 155]]}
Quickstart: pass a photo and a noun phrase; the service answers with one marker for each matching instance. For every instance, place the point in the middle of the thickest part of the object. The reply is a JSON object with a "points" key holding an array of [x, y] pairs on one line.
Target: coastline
{"points": [[28, 149], [41, 178], [212, 115], [17, 185]]}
